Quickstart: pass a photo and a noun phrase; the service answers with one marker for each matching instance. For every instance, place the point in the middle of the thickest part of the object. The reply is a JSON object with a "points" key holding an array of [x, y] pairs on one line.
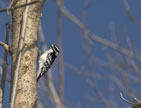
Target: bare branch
{"points": [[4, 45], [127, 9], [20, 6], [54, 96], [59, 41], [98, 39], [126, 99], [4, 67], [42, 38], [11, 4], [133, 63], [19, 54], [136, 100]]}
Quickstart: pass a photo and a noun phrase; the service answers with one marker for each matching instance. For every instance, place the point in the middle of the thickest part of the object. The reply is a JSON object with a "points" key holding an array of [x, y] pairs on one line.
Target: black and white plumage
{"points": [[46, 60]]}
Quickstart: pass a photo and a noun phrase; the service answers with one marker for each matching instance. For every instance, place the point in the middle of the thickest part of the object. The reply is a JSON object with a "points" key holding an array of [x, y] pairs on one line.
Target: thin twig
{"points": [[4, 45], [127, 9], [88, 51], [126, 99], [11, 4], [42, 38], [132, 62], [19, 55], [98, 39], [4, 67], [19, 6], [135, 99]]}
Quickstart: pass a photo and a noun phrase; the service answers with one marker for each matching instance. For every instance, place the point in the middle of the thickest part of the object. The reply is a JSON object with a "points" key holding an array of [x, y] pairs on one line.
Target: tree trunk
{"points": [[26, 93]]}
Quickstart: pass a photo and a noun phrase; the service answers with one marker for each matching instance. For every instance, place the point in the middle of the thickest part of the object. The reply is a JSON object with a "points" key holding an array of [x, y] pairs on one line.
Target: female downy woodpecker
{"points": [[46, 60]]}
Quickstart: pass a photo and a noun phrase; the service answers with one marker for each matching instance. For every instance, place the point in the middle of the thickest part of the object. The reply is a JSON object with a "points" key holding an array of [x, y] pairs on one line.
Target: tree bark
{"points": [[26, 93], [137, 106]]}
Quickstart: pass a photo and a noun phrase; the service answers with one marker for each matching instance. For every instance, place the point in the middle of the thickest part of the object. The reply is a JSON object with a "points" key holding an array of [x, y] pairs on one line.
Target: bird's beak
{"points": [[52, 46]]}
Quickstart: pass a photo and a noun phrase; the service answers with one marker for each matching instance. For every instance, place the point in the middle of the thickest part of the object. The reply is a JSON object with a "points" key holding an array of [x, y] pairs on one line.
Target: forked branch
{"points": [[19, 6]]}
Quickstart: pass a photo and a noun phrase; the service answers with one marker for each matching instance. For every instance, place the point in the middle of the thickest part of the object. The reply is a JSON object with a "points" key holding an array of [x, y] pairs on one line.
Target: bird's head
{"points": [[55, 49]]}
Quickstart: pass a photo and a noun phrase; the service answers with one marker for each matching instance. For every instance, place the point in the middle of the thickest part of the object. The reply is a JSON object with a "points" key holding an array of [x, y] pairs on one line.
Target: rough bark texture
{"points": [[26, 94], [137, 106]]}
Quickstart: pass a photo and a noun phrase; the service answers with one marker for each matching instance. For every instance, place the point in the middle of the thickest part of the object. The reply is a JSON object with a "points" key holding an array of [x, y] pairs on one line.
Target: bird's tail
{"points": [[39, 72]]}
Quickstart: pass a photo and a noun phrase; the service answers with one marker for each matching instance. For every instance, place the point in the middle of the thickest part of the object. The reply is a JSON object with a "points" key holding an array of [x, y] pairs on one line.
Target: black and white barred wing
{"points": [[44, 66], [41, 63]]}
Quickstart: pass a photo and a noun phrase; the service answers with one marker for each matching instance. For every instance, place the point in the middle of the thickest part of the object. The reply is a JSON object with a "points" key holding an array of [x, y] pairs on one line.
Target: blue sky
{"points": [[101, 14]]}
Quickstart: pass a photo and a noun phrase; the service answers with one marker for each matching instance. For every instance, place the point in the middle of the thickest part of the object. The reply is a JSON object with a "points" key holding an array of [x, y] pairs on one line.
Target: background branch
{"points": [[19, 6], [128, 12], [59, 42], [4, 67], [98, 39], [5, 46]]}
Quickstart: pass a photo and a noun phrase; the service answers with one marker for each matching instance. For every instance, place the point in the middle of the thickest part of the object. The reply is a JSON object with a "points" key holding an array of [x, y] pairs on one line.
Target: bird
{"points": [[46, 60]]}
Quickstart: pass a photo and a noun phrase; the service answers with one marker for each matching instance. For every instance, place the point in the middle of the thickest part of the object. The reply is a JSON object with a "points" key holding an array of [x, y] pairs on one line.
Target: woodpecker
{"points": [[46, 60]]}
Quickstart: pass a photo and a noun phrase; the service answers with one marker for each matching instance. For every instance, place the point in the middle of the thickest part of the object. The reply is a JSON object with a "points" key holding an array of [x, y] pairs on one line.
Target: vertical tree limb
{"points": [[59, 42], [19, 55], [26, 92]]}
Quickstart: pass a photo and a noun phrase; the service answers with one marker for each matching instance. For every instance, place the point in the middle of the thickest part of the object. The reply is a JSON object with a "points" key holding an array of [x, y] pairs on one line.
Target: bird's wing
{"points": [[40, 66]]}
